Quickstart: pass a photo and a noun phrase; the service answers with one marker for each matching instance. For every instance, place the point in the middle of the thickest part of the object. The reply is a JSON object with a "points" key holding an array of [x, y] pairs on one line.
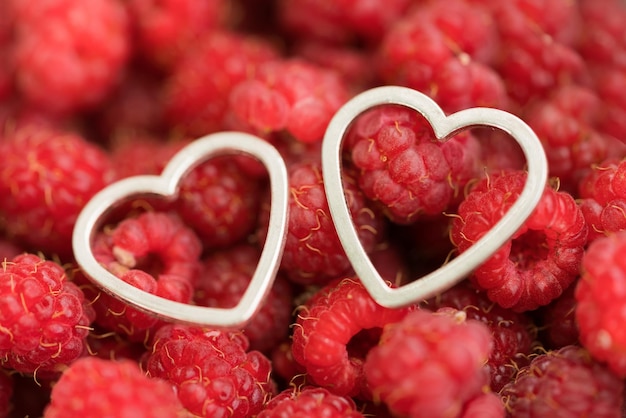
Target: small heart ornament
{"points": [[166, 186], [444, 128]]}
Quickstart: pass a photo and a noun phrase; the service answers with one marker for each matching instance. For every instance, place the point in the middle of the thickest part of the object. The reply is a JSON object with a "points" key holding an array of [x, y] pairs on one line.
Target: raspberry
{"points": [[166, 29], [311, 402], [196, 92], [138, 154], [599, 310], [340, 21], [604, 197], [154, 252], [220, 202], [313, 253], [44, 318], [225, 277], [609, 82], [46, 181], [404, 168], [291, 95], [95, 387], [429, 364], [603, 32], [543, 257], [486, 405], [537, 53], [513, 333], [333, 333], [69, 53], [565, 383], [566, 125], [213, 374], [439, 67]]}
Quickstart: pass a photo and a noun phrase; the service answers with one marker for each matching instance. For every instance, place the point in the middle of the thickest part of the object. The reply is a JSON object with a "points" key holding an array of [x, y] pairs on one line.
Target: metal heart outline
{"points": [[444, 127], [166, 186]]}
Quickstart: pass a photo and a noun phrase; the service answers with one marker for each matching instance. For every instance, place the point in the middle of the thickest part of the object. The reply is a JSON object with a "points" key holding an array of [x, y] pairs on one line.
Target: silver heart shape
{"points": [[166, 185], [444, 127]]}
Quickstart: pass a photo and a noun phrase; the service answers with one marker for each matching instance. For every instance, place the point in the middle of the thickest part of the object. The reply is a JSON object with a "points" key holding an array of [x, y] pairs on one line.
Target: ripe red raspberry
{"points": [[609, 83], [69, 53], [225, 277], [429, 364], [566, 123], [543, 257], [403, 167], [213, 373], [440, 67], [48, 178], [513, 333], [310, 401], [342, 21], [196, 92], [604, 197], [93, 387], [166, 29], [292, 95], [313, 253], [220, 202], [155, 252], [44, 318], [136, 154], [567, 383], [333, 333], [603, 32], [599, 311], [537, 46]]}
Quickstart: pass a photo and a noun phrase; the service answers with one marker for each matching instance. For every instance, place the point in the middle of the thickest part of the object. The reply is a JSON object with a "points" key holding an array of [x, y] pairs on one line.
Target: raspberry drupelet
{"points": [[44, 318], [69, 54], [196, 91], [402, 166], [225, 277], [94, 387], [313, 253], [600, 301], [333, 333], [430, 364], [310, 401], [47, 180], [155, 252], [543, 257], [514, 334], [567, 383], [292, 95], [212, 371]]}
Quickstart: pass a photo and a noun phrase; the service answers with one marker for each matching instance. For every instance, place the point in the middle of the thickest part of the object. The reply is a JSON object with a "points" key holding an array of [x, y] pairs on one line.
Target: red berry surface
{"points": [[567, 383], [93, 387], [44, 318], [212, 371], [225, 277], [69, 54], [311, 402], [402, 166], [429, 364], [599, 311], [48, 178], [334, 331], [544, 256]]}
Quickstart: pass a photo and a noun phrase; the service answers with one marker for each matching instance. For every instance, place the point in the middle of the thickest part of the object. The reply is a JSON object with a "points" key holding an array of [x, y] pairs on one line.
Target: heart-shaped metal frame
{"points": [[166, 185], [444, 127]]}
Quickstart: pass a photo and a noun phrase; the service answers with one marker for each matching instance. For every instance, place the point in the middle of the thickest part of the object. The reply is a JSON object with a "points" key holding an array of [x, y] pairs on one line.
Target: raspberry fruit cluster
{"points": [[95, 91]]}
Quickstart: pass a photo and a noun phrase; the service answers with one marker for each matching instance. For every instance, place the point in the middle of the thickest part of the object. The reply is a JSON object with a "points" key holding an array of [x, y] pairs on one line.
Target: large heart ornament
{"points": [[444, 127], [166, 186]]}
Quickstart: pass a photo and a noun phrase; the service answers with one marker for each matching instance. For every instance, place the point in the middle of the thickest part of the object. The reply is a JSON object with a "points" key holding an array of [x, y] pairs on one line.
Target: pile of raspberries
{"points": [[94, 91]]}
